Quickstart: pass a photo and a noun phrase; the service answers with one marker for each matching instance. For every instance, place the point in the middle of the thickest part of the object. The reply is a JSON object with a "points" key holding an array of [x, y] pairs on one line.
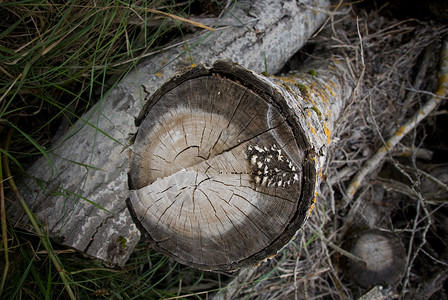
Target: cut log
{"points": [[383, 255], [226, 163], [80, 196]]}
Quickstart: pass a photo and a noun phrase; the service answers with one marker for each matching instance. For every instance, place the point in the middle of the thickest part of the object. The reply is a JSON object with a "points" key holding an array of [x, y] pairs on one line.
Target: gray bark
{"points": [[90, 163]]}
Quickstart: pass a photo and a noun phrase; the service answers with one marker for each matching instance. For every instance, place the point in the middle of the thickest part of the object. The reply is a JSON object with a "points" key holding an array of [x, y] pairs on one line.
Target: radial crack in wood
{"points": [[222, 173]]}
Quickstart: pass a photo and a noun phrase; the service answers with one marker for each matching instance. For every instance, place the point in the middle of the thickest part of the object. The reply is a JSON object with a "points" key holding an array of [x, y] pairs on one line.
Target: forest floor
{"points": [[395, 59]]}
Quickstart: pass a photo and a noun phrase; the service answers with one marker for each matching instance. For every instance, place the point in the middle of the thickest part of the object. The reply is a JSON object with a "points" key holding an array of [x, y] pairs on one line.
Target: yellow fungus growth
{"points": [[355, 185], [322, 93], [314, 202], [272, 256], [441, 91], [382, 149], [286, 79], [159, 74], [266, 259], [311, 209], [400, 130], [327, 133], [311, 127]]}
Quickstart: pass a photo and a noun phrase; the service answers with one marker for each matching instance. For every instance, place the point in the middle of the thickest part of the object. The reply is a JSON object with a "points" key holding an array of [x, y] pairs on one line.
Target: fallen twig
{"points": [[412, 254], [429, 106]]}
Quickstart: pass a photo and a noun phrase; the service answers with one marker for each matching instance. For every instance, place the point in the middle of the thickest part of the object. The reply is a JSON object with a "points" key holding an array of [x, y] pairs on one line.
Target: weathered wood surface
{"points": [[226, 163], [90, 164]]}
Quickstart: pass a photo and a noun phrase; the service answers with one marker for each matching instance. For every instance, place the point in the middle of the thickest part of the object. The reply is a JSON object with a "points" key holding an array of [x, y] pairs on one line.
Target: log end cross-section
{"points": [[220, 175]]}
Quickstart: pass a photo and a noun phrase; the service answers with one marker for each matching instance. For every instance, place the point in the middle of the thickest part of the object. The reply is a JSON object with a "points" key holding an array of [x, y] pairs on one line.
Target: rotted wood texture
{"points": [[226, 163], [80, 195]]}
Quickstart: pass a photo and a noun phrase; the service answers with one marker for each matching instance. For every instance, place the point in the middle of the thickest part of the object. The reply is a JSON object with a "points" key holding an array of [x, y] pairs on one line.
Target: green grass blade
{"points": [[35, 144]]}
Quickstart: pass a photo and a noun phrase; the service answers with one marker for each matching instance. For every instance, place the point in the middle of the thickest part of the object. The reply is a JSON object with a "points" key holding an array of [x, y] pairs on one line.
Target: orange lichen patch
{"points": [[322, 94], [286, 79], [314, 202], [272, 256], [266, 259], [159, 74], [310, 99], [422, 112], [400, 130], [311, 209], [316, 87], [331, 90], [441, 91], [355, 185], [388, 144], [317, 92], [309, 113], [312, 128], [327, 91], [382, 149], [327, 133]]}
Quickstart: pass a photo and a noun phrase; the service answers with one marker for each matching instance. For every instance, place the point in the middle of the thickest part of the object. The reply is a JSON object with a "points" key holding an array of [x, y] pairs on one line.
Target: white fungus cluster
{"points": [[270, 168]]}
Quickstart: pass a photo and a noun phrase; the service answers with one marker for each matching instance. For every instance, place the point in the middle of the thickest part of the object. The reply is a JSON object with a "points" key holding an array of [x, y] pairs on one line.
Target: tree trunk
{"points": [[80, 195], [226, 163]]}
